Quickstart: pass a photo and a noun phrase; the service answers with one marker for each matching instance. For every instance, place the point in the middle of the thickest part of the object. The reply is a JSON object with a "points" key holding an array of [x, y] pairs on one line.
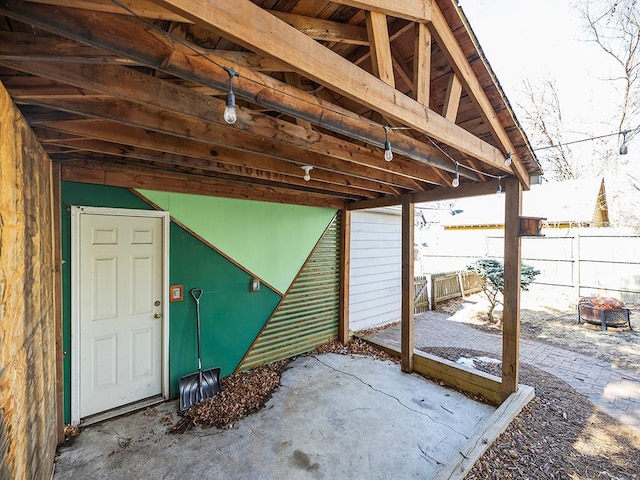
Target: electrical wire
{"points": [[590, 139]]}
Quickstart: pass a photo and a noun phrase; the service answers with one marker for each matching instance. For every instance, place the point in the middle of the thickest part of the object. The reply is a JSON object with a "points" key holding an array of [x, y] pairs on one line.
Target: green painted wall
{"points": [[270, 239], [231, 316]]}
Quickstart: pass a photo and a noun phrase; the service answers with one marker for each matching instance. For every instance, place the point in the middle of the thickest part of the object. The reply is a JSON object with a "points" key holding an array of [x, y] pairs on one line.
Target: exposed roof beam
{"points": [[380, 46], [422, 64], [144, 8], [311, 59], [452, 98], [433, 195], [139, 177], [450, 47], [414, 10], [325, 30]]}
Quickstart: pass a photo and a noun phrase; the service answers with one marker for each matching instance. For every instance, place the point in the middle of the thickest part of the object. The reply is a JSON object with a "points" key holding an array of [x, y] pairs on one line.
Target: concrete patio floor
{"points": [[334, 417]]}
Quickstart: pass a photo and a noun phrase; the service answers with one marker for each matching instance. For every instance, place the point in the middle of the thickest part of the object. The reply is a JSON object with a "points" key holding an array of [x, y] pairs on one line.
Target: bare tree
{"points": [[542, 115]]}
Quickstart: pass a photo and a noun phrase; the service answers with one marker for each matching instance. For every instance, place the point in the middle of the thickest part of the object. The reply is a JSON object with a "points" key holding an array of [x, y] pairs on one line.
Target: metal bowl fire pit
{"points": [[604, 311]]}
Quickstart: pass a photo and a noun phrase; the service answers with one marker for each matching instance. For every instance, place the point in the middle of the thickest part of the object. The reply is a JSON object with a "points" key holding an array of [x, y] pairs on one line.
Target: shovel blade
{"points": [[192, 392]]}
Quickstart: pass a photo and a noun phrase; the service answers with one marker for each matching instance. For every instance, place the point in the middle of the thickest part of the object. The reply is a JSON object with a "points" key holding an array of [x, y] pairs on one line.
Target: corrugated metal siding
{"points": [[308, 314]]}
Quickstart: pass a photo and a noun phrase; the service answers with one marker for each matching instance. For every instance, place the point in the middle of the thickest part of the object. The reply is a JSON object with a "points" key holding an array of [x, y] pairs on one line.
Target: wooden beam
{"points": [[408, 225], [325, 30], [311, 59], [380, 46], [452, 98], [294, 79], [450, 47], [123, 176], [422, 64], [56, 215], [345, 273], [433, 195], [463, 191], [414, 10], [144, 8], [512, 265]]}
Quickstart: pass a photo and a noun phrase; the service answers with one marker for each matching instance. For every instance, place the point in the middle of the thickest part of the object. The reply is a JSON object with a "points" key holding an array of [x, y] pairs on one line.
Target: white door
{"points": [[120, 294]]}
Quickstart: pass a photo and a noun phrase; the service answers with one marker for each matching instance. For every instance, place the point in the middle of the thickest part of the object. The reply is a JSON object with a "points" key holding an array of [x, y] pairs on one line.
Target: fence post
{"points": [[432, 292], [575, 254]]}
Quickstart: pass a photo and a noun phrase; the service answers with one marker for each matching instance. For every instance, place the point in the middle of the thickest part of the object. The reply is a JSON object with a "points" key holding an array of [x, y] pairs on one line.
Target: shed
{"points": [[152, 146]]}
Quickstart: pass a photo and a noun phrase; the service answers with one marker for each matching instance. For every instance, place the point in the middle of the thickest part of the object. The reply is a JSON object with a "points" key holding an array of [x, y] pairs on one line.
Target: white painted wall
{"points": [[376, 263]]}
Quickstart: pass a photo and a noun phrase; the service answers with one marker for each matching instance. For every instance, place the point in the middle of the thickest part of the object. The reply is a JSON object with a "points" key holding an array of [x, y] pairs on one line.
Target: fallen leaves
{"points": [[247, 392]]}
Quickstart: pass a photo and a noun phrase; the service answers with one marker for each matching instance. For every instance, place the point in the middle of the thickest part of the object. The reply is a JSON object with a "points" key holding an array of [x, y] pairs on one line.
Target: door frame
{"points": [[76, 212]]}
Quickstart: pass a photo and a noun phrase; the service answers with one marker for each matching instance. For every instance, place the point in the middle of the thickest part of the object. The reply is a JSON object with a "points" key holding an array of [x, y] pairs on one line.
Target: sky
{"points": [[537, 39]]}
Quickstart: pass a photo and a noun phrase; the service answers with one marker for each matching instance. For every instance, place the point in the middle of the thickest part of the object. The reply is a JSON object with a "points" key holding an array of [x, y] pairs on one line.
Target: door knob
{"points": [[156, 315]]}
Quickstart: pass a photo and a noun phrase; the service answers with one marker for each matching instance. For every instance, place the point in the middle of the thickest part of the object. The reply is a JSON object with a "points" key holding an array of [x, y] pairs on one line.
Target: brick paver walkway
{"points": [[614, 390]]}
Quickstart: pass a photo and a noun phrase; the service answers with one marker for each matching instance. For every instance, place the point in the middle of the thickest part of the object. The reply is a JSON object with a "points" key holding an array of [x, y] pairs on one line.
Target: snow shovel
{"points": [[202, 384]]}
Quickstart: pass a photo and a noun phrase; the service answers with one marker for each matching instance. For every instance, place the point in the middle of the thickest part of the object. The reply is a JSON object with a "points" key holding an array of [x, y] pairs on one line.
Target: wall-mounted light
{"points": [[388, 154], [307, 169], [230, 109]]}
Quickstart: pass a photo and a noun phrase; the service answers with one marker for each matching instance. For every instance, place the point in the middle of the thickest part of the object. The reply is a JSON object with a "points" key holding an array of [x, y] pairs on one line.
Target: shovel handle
{"points": [[196, 293]]}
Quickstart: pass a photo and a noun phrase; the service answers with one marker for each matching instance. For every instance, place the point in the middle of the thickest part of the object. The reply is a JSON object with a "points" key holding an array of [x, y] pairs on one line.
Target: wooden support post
{"points": [[56, 187], [512, 263], [408, 223], [345, 271]]}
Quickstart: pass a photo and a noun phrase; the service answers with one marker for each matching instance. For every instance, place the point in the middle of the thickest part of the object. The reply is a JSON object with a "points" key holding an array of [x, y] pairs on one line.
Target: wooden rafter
{"points": [[380, 47], [312, 60], [462, 67], [422, 64]]}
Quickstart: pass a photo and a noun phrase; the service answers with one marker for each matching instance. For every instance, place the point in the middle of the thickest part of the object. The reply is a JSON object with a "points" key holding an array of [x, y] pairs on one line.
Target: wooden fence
{"points": [[576, 264], [429, 290]]}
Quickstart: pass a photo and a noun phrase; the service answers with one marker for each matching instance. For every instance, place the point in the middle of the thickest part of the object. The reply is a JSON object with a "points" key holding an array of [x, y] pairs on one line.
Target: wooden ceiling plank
{"points": [[250, 165], [322, 65], [184, 145], [450, 47], [122, 176], [262, 128], [253, 177], [414, 10], [144, 8], [325, 30], [452, 98], [27, 46], [130, 37], [422, 64], [380, 46]]}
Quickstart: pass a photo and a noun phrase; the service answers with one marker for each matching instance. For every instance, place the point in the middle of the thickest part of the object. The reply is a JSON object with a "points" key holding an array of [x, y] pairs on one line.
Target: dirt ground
{"points": [[560, 434], [553, 319]]}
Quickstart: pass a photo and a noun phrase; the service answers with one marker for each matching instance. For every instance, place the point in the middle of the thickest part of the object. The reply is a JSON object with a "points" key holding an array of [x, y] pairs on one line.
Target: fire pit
{"points": [[604, 311]]}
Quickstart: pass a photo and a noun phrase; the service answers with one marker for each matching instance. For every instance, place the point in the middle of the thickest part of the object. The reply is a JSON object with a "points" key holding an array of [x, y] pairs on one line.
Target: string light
{"points": [[456, 180], [230, 115], [307, 169], [388, 154], [624, 134], [508, 160], [230, 109], [499, 190], [623, 147]]}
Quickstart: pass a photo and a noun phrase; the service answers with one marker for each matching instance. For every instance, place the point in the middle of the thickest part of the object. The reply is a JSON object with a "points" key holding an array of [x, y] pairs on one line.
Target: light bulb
{"points": [[508, 160], [624, 149], [499, 190], [388, 154], [307, 169], [230, 110], [456, 182]]}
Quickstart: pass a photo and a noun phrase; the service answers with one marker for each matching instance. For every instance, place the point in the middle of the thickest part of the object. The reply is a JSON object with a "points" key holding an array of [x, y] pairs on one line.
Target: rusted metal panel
{"points": [[308, 314]]}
